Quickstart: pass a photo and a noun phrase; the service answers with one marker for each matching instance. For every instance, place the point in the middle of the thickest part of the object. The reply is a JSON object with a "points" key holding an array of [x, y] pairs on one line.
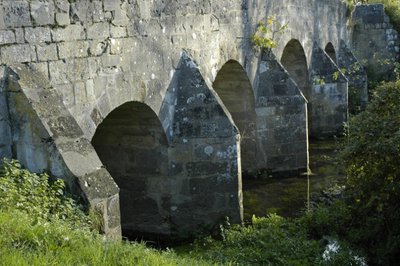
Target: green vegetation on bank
{"points": [[40, 225]]}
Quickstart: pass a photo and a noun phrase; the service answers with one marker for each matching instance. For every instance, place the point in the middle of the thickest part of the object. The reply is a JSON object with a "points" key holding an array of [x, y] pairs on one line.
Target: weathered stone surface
{"points": [[73, 49], [37, 35], [5, 124], [18, 53], [166, 55], [98, 31], [281, 110], [63, 5], [16, 13], [47, 52], [328, 96], [375, 42], [42, 12], [69, 33], [62, 19], [46, 136], [6, 37], [356, 74]]}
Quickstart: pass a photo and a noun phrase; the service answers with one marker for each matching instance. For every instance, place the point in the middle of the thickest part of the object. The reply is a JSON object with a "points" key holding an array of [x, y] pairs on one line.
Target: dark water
{"points": [[289, 196]]}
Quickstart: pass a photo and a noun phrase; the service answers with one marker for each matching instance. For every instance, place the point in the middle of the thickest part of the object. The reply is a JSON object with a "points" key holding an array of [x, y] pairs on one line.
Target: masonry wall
{"points": [[374, 40], [99, 55]]}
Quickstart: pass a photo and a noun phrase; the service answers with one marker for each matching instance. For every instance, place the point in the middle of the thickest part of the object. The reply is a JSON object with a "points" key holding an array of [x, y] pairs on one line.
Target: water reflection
{"points": [[289, 196]]}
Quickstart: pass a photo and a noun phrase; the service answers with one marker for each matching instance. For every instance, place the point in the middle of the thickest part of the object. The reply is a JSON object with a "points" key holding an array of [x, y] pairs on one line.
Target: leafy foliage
{"points": [[40, 225], [26, 242], [369, 217], [372, 162], [36, 194], [267, 32], [271, 240]]}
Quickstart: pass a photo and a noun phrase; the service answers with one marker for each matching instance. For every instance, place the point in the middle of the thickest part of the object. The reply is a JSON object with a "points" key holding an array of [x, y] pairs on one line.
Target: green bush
{"points": [[271, 240], [36, 194], [372, 161], [40, 225]]}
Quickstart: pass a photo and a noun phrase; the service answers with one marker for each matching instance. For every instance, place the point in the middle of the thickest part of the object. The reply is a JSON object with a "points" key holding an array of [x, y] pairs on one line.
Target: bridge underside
{"points": [[151, 112]]}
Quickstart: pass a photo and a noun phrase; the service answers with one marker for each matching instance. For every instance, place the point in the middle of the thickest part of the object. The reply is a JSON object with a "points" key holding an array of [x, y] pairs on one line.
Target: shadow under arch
{"points": [[331, 52], [132, 144], [235, 90], [295, 62]]}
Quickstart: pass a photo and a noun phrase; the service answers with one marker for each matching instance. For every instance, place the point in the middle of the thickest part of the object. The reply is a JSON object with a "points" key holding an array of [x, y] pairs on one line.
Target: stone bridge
{"points": [[151, 110]]}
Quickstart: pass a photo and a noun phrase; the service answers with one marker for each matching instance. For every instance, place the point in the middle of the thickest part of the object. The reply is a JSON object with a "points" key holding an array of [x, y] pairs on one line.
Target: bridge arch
{"points": [[132, 145], [295, 62], [236, 92], [331, 52]]}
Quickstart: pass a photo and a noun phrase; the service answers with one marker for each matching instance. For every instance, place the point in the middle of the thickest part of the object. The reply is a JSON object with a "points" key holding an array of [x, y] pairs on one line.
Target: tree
{"points": [[372, 159]]}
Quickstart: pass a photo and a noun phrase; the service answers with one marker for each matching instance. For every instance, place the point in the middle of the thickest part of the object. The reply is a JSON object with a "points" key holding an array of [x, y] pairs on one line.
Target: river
{"points": [[290, 195]]}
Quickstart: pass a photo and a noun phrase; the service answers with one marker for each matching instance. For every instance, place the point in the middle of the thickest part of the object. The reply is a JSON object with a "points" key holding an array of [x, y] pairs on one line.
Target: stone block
{"points": [[19, 35], [7, 37], [37, 35], [2, 24], [63, 5], [100, 83], [98, 31], [47, 52], [79, 11], [110, 61], [69, 33], [97, 11], [90, 90], [79, 92], [98, 48], [41, 67], [16, 14], [67, 93], [62, 19], [120, 17], [111, 5], [42, 12], [73, 49], [20, 53], [118, 32], [69, 70]]}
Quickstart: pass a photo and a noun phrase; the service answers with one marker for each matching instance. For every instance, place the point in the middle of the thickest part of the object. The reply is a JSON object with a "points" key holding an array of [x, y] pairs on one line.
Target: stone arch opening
{"points": [[331, 52], [132, 145], [235, 90], [295, 62]]}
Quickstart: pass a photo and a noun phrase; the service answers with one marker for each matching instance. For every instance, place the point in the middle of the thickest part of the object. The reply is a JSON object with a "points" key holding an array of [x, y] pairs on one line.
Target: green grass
{"points": [[41, 225], [24, 241]]}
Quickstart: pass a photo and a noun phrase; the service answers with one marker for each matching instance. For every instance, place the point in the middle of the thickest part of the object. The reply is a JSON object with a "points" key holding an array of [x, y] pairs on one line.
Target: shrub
{"points": [[37, 195], [372, 159], [41, 225]]}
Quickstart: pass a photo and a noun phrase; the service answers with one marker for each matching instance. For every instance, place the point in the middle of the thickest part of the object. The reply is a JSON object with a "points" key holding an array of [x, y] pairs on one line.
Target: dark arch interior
{"points": [[295, 62], [330, 50], [132, 145], [235, 90]]}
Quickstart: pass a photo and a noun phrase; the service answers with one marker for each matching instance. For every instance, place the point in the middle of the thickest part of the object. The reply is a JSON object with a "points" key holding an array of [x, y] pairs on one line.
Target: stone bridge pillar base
{"points": [[44, 137]]}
